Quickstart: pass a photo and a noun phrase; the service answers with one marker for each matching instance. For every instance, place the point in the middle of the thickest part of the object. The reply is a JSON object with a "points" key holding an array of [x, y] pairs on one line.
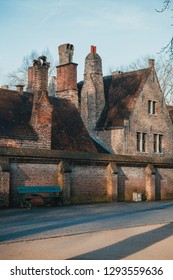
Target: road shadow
{"points": [[129, 246], [17, 224]]}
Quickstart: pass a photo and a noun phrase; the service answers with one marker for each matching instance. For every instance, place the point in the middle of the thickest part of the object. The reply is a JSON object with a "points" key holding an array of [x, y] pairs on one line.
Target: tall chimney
{"points": [[41, 117], [67, 74], [92, 94], [38, 75], [151, 63], [5, 87]]}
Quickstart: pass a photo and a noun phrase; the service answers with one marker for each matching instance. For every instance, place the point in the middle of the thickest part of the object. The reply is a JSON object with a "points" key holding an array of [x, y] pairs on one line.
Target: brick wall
{"points": [[164, 186], [124, 140], [130, 179], [34, 174], [142, 121], [4, 186], [88, 183], [84, 177], [114, 139], [42, 143]]}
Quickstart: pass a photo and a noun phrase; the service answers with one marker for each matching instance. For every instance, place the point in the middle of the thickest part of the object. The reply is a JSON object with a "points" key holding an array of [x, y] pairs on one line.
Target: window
{"points": [[141, 141], [151, 107], [138, 136], [160, 143], [157, 143]]}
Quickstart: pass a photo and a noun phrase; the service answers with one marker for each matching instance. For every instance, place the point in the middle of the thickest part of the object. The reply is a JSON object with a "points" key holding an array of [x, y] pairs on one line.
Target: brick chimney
{"points": [[67, 74], [38, 75], [151, 63], [41, 117], [19, 88], [5, 87], [92, 94]]}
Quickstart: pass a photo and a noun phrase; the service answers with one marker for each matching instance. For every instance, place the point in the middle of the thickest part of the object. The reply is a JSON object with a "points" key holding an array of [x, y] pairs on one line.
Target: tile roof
{"points": [[121, 91], [170, 110], [68, 130], [15, 112]]}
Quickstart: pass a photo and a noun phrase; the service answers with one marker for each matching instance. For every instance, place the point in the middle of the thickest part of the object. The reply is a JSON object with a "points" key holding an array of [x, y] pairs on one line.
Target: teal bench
{"points": [[50, 194]]}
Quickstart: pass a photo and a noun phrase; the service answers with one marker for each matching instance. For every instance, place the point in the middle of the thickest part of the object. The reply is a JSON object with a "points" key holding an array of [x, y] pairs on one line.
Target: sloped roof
{"points": [[170, 110], [15, 112], [68, 130], [121, 91]]}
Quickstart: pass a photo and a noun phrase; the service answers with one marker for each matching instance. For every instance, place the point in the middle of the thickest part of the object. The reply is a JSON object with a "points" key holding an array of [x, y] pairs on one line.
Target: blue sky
{"points": [[122, 30]]}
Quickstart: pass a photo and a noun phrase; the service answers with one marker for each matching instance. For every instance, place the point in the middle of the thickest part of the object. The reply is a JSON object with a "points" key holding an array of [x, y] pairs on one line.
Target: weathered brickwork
{"points": [[88, 183], [35, 174], [22, 143], [130, 179], [67, 75], [112, 181], [84, 180], [37, 153], [67, 83], [41, 117], [38, 75], [142, 121], [164, 179], [4, 184], [92, 94], [65, 52], [41, 121], [122, 123], [114, 139]]}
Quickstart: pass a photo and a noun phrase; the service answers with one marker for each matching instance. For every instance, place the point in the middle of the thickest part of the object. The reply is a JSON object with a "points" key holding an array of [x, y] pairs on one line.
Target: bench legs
{"points": [[53, 201], [25, 204]]}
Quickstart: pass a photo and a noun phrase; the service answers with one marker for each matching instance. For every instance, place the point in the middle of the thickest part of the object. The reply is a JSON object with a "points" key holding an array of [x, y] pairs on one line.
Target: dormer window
{"points": [[151, 107]]}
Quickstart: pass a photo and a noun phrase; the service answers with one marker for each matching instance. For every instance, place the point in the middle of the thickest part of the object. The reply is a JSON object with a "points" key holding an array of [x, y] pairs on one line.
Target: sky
{"points": [[122, 30]]}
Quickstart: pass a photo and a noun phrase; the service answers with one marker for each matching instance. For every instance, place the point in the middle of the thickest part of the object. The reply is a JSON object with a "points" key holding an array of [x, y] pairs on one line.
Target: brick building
{"points": [[100, 140], [126, 111]]}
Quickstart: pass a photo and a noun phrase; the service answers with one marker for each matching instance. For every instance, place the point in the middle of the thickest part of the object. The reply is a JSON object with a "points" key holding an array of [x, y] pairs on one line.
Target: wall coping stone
{"points": [[77, 156]]}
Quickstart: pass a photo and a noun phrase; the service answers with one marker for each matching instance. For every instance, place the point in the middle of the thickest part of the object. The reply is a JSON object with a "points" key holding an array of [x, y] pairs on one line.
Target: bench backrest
{"points": [[38, 189]]}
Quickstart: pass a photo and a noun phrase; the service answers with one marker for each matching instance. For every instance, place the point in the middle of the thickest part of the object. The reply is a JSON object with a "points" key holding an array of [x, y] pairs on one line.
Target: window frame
{"points": [[141, 142], [152, 107], [158, 143]]}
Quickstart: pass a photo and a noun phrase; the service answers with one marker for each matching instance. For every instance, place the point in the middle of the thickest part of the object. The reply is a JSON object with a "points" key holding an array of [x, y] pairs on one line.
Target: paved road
{"points": [[39, 223]]}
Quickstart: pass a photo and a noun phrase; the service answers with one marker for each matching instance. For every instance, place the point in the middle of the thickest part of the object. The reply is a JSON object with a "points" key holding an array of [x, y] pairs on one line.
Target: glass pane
{"points": [[160, 143], [149, 106], [154, 107], [138, 137], [143, 142], [155, 143]]}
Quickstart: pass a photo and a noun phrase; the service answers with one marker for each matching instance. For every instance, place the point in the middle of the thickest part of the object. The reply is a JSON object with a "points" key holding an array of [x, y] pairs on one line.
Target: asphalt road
{"points": [[39, 223]]}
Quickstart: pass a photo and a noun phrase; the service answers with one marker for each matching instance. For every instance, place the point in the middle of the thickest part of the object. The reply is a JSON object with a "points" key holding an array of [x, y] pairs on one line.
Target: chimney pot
{"points": [[93, 49], [19, 88], [151, 63], [5, 87]]}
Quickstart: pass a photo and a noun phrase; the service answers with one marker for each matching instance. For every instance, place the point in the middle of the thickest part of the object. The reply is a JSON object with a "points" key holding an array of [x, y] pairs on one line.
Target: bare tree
{"points": [[164, 69], [168, 48], [166, 5], [20, 76]]}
